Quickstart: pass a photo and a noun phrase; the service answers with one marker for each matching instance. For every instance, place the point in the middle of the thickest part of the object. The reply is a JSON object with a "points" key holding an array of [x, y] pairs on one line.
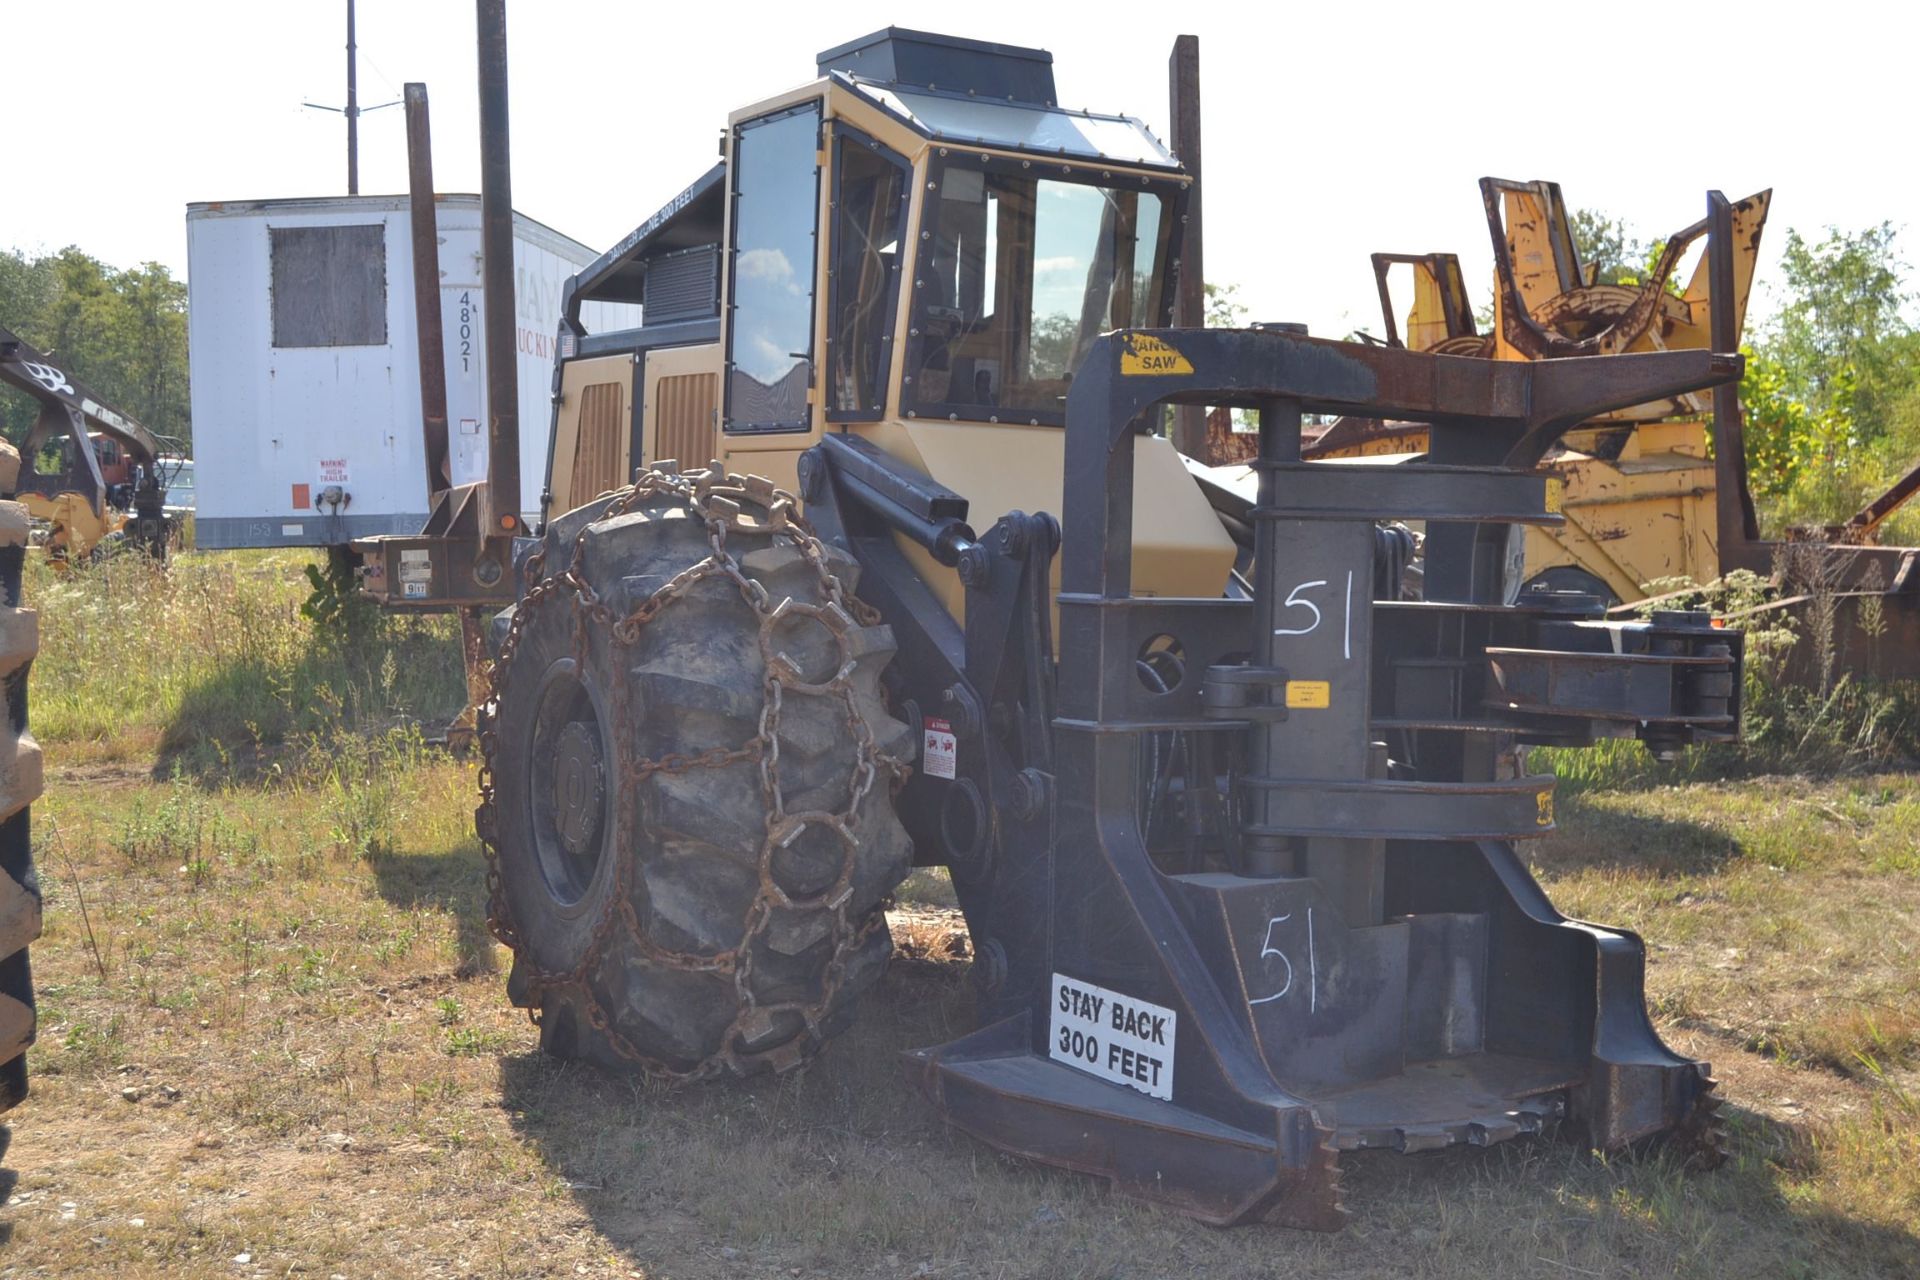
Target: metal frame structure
{"points": [[1240, 872], [463, 552], [68, 407], [1876, 614], [21, 774], [1874, 590], [1344, 946]]}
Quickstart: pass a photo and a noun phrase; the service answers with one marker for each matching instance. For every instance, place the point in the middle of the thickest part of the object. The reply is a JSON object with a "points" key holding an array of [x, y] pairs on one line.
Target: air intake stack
{"points": [[980, 68]]}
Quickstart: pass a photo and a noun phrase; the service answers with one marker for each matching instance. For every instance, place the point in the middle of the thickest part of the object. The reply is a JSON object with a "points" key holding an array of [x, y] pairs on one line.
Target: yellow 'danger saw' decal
{"points": [[1146, 357]]}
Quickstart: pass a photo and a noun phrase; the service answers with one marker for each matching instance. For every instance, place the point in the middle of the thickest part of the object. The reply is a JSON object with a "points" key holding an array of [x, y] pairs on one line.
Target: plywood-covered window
{"points": [[330, 286]]}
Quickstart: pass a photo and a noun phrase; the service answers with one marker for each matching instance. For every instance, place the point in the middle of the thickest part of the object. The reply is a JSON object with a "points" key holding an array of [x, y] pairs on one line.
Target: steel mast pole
{"points": [[426, 292], [502, 509], [1190, 286], [353, 111]]}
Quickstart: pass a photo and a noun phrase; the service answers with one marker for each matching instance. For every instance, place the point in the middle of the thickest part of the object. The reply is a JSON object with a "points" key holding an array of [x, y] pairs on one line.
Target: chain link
{"points": [[724, 503]]}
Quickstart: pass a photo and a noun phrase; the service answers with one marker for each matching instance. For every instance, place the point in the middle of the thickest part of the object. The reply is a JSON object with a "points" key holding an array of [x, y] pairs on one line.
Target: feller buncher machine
{"points": [[111, 481], [866, 551]]}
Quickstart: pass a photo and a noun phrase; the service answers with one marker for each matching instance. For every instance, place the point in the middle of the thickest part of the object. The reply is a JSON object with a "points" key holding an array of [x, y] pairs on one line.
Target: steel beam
{"points": [[502, 510], [1737, 526], [426, 291], [1190, 283]]}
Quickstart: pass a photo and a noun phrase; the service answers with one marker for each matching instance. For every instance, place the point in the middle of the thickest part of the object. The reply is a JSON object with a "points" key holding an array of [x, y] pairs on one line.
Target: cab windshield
{"points": [[1017, 275]]}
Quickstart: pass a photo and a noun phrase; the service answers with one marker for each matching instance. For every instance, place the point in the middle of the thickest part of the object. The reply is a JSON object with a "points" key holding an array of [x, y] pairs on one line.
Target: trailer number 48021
{"points": [[466, 332]]}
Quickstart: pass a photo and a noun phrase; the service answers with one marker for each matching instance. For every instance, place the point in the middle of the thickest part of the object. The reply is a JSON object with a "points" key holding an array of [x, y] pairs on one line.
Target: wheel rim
{"points": [[568, 784]]}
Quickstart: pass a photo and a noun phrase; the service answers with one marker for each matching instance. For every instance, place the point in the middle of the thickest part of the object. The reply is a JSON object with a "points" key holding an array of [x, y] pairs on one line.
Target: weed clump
{"points": [[218, 663]]}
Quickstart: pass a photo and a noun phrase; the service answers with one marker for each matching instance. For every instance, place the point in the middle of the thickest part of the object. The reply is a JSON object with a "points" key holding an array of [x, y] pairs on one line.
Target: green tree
{"points": [[28, 288], [1224, 310], [1832, 390], [1842, 320], [1607, 244], [124, 333], [1803, 462], [1050, 350], [153, 317]]}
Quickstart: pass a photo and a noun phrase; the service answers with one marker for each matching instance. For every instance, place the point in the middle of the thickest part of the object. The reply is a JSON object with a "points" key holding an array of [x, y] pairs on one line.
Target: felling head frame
{"points": [[1251, 896]]}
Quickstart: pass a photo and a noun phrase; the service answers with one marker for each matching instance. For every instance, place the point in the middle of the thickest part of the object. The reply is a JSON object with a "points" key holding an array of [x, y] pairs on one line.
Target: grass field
{"points": [[275, 1038]]}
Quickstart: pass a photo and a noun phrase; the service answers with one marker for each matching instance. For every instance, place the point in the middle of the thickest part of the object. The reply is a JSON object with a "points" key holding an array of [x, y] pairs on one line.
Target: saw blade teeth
{"points": [[1316, 1202], [1700, 1138]]}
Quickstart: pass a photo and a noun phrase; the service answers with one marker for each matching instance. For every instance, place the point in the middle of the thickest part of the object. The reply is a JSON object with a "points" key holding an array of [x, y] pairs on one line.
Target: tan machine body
{"points": [[1180, 547]]}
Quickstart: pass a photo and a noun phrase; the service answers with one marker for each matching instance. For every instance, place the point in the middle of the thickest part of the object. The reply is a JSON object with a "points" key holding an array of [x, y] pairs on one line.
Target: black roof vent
{"points": [[899, 56]]}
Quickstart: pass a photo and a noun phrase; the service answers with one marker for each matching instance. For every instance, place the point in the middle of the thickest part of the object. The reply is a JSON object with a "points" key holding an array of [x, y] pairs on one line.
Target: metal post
{"points": [[426, 292], [1313, 612], [502, 510], [1279, 442], [1736, 525], [1190, 287], [353, 112]]}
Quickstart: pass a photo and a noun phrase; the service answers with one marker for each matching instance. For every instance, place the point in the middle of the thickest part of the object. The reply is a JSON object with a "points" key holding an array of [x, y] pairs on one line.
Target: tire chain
{"points": [[712, 495]]}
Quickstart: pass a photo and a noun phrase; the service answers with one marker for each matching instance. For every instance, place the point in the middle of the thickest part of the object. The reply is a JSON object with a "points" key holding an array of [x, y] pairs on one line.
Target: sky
{"points": [[1330, 130]]}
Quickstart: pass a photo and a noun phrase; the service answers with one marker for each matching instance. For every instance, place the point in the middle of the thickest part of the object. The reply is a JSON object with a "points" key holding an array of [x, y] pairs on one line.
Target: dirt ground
{"points": [[264, 1054]]}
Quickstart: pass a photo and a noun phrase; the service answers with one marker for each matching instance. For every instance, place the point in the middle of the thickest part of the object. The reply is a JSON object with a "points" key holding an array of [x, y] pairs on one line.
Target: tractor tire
{"points": [[691, 774], [20, 782]]}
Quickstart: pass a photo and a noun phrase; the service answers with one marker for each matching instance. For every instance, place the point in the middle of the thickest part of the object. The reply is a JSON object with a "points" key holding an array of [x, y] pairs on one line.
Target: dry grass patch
{"points": [[325, 1077], [277, 1042], [1780, 913]]}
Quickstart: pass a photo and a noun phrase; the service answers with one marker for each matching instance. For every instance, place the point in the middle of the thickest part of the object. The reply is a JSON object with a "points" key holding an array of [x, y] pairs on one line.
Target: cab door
{"points": [[770, 399]]}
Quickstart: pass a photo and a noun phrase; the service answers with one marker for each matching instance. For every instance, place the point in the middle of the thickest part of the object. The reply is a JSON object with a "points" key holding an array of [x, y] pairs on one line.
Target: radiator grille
{"points": [[682, 286], [598, 456], [686, 407]]}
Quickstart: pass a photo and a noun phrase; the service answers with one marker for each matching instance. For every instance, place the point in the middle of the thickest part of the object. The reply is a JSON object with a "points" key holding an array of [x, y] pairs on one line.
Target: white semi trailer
{"points": [[304, 356]]}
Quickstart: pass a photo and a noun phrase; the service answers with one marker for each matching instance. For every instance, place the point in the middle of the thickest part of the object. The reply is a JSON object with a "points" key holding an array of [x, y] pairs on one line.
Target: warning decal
{"points": [[1150, 357], [1309, 694], [1112, 1036], [940, 751]]}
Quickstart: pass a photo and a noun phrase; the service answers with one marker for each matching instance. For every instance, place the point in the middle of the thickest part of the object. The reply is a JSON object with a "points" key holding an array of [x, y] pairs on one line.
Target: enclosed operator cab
{"points": [[977, 239]]}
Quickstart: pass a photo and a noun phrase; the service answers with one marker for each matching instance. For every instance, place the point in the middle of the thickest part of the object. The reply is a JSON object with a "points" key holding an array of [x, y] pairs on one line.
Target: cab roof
{"points": [[977, 93]]}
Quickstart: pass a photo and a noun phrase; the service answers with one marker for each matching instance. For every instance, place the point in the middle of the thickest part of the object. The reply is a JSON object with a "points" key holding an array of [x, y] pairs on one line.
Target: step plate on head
{"points": [[1474, 1100], [992, 1085]]}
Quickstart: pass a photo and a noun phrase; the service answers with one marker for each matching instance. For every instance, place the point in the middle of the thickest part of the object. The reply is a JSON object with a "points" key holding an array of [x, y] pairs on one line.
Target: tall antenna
{"points": [[352, 110]]}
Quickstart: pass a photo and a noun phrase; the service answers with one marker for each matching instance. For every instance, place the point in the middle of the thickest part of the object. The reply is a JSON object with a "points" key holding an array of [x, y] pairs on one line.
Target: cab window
{"points": [[1018, 274], [776, 197], [869, 217]]}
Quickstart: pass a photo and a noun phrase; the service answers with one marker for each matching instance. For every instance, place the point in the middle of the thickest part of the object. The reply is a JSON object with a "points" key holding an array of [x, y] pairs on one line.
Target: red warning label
{"points": [[940, 750]]}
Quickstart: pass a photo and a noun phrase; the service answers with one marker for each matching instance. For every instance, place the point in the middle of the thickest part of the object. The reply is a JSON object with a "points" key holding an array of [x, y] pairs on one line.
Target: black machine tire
{"points": [[20, 782], [691, 775]]}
